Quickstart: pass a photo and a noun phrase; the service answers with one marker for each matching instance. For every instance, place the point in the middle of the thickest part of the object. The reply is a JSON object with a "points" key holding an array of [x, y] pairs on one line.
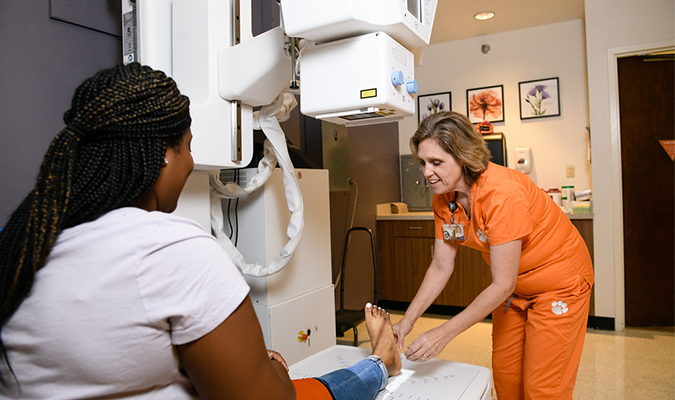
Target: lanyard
{"points": [[453, 207], [453, 231]]}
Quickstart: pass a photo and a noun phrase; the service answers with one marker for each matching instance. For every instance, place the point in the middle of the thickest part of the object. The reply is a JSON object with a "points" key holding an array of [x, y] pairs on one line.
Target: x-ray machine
{"points": [[351, 63]]}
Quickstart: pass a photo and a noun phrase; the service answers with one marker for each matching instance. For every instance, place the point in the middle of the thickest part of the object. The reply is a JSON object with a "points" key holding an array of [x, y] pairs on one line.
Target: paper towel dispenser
{"points": [[496, 143]]}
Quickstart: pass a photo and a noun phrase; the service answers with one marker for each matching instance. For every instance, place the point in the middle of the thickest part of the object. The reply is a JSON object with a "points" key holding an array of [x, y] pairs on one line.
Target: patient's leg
{"points": [[382, 338], [363, 380]]}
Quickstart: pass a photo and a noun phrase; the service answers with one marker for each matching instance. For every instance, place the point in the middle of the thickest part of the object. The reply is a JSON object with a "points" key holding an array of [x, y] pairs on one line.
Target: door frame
{"points": [[613, 54]]}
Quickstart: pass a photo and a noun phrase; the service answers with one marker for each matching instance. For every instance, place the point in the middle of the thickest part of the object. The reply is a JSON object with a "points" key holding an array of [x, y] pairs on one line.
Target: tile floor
{"points": [[636, 364]]}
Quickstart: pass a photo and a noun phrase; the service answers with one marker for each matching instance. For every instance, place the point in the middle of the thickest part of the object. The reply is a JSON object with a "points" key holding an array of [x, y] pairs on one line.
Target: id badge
{"points": [[453, 231]]}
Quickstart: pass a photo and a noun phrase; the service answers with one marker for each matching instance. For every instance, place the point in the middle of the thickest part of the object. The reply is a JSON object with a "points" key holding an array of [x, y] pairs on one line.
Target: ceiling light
{"points": [[484, 15]]}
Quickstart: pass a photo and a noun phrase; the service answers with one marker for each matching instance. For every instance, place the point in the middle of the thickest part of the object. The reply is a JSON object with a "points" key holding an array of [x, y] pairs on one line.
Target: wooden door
{"points": [[647, 109]]}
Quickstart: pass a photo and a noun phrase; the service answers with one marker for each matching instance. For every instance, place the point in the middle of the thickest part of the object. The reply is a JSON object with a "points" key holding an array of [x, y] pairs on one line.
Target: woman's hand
{"points": [[428, 345], [276, 356], [401, 329]]}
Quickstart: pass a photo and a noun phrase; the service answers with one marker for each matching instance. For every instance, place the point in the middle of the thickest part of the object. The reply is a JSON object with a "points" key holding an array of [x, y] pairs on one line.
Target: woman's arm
{"points": [[434, 282], [504, 263], [231, 361]]}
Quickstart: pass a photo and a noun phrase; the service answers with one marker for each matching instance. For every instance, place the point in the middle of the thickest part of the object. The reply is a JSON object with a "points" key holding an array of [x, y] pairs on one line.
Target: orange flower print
{"points": [[485, 104]]}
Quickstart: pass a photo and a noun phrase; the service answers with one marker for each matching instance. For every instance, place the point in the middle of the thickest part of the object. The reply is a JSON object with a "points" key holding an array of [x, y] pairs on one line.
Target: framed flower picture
{"points": [[539, 98], [428, 104], [485, 104]]}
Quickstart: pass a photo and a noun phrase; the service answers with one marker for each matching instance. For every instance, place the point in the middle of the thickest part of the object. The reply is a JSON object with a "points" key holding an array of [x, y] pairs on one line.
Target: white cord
{"points": [[276, 151]]}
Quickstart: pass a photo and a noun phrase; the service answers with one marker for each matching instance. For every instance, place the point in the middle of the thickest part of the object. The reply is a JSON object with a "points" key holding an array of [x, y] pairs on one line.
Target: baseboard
{"points": [[601, 323]]}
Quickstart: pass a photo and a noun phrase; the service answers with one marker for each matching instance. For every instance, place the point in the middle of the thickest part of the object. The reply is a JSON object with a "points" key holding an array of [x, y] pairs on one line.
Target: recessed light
{"points": [[484, 15]]}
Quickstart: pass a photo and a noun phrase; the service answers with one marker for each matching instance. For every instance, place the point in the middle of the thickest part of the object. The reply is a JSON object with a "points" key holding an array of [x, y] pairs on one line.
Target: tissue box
{"points": [[399, 208]]}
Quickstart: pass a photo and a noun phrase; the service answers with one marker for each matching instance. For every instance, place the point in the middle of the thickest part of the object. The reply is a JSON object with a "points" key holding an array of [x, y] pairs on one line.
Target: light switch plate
{"points": [[570, 171]]}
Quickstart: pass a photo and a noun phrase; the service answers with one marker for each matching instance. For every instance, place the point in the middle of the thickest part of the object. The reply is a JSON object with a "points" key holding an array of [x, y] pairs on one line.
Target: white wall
{"points": [[556, 50], [614, 27]]}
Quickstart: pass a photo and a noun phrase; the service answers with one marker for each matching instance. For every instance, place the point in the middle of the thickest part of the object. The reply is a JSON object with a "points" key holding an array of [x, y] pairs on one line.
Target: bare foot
{"points": [[382, 338]]}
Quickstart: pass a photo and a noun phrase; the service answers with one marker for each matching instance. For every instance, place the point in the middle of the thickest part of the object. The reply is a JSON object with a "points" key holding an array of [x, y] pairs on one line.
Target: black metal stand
{"points": [[349, 319]]}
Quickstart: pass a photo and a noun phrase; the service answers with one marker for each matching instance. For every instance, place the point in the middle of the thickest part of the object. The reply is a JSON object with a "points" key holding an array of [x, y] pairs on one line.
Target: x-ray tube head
{"points": [[409, 22], [358, 81]]}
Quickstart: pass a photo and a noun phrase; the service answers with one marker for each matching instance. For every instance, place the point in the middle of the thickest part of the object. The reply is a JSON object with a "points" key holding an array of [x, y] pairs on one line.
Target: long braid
{"points": [[109, 153]]}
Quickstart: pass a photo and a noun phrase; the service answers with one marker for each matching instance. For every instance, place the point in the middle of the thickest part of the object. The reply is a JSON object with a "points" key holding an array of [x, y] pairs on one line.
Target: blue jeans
{"points": [[361, 381]]}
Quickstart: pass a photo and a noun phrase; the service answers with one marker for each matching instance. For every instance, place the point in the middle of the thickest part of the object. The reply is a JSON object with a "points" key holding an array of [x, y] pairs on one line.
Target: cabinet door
{"points": [[412, 257], [585, 228], [414, 187], [385, 257], [470, 276]]}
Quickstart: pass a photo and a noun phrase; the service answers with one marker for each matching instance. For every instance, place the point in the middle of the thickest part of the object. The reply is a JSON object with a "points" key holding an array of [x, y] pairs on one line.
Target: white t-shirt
{"points": [[114, 298]]}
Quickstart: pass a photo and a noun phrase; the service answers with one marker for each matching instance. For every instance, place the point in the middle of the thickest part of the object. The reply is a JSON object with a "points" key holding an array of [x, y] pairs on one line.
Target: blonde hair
{"points": [[455, 134]]}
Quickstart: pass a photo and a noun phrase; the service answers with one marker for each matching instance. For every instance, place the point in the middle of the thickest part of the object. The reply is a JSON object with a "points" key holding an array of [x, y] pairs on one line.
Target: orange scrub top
{"points": [[505, 206]]}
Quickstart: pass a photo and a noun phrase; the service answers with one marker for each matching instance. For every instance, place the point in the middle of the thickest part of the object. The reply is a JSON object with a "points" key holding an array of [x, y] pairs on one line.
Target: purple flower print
{"points": [[535, 97], [434, 106]]}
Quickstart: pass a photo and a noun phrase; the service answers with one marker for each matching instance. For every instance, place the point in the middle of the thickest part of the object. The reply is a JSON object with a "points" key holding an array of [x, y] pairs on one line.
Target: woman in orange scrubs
{"points": [[541, 269]]}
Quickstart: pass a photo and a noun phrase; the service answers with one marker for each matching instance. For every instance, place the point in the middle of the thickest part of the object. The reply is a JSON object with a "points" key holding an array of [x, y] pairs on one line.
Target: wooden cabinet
{"points": [[585, 228], [405, 250]]}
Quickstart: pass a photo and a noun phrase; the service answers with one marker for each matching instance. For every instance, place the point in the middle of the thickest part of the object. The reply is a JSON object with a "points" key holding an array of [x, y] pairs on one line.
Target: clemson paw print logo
{"points": [[559, 307]]}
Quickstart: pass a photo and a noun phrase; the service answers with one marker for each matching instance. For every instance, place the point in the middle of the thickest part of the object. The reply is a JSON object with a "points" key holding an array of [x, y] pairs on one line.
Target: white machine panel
{"points": [[312, 313], [263, 218], [408, 21], [183, 39], [431, 380], [351, 81]]}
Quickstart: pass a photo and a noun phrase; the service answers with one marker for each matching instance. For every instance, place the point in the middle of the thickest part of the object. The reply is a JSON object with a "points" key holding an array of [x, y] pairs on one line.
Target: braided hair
{"points": [[110, 152]]}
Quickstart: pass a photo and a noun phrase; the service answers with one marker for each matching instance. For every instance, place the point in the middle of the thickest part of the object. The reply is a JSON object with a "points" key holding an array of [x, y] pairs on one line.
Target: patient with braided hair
{"points": [[105, 294]]}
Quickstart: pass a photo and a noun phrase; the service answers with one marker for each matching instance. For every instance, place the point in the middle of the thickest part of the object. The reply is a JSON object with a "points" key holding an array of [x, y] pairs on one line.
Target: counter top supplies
{"points": [[582, 195]]}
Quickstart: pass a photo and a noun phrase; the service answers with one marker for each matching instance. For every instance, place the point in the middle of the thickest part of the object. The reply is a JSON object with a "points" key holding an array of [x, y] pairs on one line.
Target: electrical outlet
{"points": [[570, 171]]}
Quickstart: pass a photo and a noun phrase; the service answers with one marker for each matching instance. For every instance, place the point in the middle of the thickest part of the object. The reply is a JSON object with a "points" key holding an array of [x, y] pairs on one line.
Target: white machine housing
{"points": [[183, 38], [358, 81], [301, 296], [407, 21]]}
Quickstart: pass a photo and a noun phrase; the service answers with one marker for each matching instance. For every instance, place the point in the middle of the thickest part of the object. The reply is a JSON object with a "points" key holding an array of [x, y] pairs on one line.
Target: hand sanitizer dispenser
{"points": [[524, 159]]}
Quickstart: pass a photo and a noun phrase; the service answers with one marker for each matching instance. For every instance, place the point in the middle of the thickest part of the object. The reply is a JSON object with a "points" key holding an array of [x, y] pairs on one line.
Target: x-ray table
{"points": [[431, 380]]}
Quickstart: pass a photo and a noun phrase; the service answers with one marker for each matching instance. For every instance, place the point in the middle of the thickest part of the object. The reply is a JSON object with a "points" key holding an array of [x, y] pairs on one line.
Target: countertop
{"points": [[414, 215], [383, 212]]}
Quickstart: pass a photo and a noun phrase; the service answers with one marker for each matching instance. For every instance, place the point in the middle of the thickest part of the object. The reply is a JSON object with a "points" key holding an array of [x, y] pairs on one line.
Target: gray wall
{"points": [[373, 163], [43, 60]]}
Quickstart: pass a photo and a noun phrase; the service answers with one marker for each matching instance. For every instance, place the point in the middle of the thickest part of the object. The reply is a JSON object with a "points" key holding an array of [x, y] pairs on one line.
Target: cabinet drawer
{"points": [[414, 228]]}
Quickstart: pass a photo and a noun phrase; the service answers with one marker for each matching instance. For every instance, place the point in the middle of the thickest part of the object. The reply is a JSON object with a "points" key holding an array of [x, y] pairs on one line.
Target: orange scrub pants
{"points": [[310, 389], [537, 342]]}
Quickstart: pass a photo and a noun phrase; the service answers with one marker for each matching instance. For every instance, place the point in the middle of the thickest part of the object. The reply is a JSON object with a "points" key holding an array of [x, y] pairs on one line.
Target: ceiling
{"points": [[454, 18]]}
